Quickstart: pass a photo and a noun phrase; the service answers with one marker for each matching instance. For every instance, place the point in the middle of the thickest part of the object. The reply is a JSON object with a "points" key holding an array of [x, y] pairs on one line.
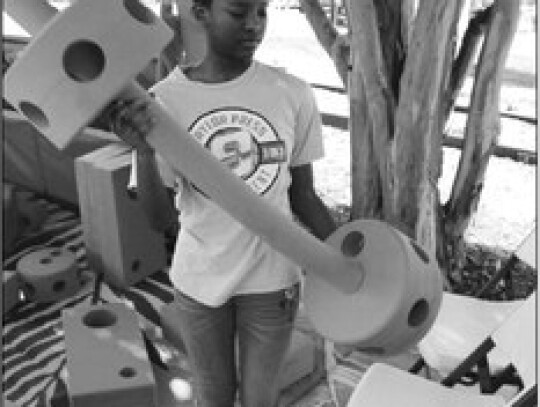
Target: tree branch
{"points": [[417, 145], [464, 60], [368, 76], [335, 45], [483, 124], [389, 21], [408, 12]]}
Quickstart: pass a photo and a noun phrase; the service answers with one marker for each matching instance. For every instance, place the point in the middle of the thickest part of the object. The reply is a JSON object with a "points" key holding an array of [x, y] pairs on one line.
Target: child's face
{"points": [[235, 28]]}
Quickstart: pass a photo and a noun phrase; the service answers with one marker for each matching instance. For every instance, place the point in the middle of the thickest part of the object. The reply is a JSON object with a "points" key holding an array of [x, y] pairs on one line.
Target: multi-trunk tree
{"points": [[402, 65]]}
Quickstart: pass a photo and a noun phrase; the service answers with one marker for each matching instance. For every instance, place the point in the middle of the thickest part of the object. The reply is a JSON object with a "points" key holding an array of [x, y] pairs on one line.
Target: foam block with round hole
{"points": [[118, 236], [49, 275], [107, 362], [399, 298], [80, 61]]}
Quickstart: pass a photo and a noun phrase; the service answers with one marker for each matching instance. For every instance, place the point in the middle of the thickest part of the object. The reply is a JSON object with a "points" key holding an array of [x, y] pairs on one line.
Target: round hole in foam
{"points": [[45, 260], [34, 114], [418, 313], [59, 286], [83, 61], [99, 318], [140, 12], [127, 372], [353, 244]]}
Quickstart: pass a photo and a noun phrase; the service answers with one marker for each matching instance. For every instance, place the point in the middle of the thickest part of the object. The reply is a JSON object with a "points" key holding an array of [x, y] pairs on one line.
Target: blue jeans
{"points": [[262, 324]]}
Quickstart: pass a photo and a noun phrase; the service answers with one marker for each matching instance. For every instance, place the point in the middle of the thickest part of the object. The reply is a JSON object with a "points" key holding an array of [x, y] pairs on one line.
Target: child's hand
{"points": [[131, 121]]}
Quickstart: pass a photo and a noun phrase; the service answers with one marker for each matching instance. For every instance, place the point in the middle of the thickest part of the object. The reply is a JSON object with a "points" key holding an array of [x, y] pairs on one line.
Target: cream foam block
{"points": [[107, 363], [80, 61], [118, 237]]}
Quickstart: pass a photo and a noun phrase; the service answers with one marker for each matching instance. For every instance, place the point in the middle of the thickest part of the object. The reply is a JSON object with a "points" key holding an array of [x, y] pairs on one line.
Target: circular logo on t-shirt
{"points": [[244, 141]]}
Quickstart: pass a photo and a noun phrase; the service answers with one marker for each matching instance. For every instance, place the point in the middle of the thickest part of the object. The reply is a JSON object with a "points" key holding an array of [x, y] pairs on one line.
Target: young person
{"points": [[230, 284]]}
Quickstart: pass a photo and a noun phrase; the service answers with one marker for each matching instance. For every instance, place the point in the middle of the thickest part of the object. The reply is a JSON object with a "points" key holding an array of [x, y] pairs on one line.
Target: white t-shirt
{"points": [[260, 124]]}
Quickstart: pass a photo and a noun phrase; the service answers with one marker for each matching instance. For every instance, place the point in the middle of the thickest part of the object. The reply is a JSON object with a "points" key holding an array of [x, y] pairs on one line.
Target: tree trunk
{"points": [[416, 153], [335, 45], [402, 82], [372, 113], [483, 125], [404, 123]]}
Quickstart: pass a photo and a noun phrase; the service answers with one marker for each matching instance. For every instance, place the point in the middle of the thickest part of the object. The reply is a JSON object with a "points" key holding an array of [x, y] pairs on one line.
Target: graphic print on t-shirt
{"points": [[244, 141]]}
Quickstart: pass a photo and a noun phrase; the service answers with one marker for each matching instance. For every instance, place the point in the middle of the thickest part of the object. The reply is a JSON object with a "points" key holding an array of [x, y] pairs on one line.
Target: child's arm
{"points": [[307, 205], [130, 121]]}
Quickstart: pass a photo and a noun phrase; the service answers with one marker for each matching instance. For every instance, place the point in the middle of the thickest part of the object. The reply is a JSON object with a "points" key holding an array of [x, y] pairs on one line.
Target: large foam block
{"points": [[107, 363], [80, 61], [118, 237]]}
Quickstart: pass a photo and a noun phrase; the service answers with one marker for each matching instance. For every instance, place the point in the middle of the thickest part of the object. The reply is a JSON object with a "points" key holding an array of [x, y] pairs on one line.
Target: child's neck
{"points": [[215, 70]]}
